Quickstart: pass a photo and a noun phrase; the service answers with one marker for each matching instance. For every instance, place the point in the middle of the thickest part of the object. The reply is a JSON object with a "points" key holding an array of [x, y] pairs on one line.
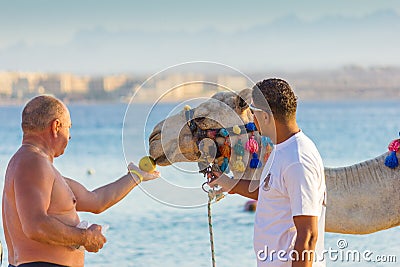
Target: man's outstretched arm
{"points": [[235, 186], [104, 197]]}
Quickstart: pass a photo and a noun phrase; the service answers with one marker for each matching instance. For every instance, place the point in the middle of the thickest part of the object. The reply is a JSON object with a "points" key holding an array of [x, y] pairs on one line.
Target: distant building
{"points": [[235, 83], [7, 79], [74, 84], [179, 86], [51, 84], [96, 88], [20, 88], [112, 83]]}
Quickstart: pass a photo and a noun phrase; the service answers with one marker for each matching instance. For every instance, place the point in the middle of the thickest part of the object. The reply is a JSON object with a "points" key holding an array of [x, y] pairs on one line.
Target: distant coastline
{"points": [[352, 82]]}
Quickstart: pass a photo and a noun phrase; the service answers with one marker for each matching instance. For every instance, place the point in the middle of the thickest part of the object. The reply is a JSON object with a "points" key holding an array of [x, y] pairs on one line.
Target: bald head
{"points": [[40, 111]]}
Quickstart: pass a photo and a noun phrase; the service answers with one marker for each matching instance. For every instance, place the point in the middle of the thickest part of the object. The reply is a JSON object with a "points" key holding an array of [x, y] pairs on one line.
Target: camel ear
{"points": [[243, 100]]}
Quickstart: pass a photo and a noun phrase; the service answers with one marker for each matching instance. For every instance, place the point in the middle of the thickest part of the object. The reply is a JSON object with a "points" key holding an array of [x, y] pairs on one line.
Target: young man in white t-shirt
{"points": [[290, 216]]}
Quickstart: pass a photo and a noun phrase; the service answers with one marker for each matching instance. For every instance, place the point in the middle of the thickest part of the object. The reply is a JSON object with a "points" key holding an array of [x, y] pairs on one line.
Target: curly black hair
{"points": [[281, 99]]}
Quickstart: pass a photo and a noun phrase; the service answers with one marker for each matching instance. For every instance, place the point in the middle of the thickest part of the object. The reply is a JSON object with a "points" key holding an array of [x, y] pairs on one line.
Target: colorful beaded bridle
{"points": [[216, 157]]}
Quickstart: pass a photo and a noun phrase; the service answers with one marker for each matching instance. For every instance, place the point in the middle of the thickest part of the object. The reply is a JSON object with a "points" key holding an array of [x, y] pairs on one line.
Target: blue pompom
{"points": [[391, 161], [223, 132], [251, 127], [264, 141], [224, 166], [255, 163]]}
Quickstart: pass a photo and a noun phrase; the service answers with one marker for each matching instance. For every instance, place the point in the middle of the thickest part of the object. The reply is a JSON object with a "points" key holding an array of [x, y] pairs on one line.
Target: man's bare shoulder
{"points": [[26, 164]]}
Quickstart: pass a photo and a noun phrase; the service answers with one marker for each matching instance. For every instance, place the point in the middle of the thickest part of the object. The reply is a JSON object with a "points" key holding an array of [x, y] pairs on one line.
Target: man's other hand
{"points": [[94, 238]]}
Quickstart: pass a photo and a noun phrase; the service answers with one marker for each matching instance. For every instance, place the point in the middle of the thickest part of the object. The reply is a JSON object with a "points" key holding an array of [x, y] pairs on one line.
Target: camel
{"points": [[361, 199]]}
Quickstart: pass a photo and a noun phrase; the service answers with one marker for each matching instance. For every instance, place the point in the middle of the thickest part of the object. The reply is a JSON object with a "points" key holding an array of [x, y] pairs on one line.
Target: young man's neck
{"points": [[285, 130]]}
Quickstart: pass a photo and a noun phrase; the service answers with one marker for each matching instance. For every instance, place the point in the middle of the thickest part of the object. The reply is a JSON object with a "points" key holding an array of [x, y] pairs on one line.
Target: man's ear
{"points": [[269, 118], [55, 127], [242, 100]]}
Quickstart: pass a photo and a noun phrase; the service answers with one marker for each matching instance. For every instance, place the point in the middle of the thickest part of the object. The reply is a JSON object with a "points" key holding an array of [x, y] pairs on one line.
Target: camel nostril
{"points": [[155, 135]]}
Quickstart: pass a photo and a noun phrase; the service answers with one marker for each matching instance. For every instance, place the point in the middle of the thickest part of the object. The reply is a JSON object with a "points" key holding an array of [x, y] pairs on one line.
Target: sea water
{"points": [[145, 230]]}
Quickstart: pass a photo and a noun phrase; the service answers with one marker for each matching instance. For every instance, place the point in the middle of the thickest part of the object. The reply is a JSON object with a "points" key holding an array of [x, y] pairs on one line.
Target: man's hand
{"points": [[233, 186], [94, 238], [222, 181], [147, 176]]}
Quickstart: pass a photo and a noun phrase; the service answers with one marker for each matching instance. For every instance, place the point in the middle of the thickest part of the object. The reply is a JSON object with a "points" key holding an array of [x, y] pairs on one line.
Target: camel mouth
{"points": [[162, 161]]}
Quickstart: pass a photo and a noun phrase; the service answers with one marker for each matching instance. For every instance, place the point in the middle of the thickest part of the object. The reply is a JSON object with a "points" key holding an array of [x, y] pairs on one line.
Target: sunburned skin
{"points": [[62, 206], [40, 206]]}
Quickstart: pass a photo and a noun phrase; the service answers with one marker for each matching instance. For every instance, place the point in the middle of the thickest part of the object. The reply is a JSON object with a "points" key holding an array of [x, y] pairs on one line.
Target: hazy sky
{"points": [[50, 22]]}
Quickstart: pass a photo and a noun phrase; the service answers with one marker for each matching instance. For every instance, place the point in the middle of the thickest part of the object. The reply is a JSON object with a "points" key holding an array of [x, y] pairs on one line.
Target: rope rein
{"points": [[210, 227], [216, 158], [217, 196], [213, 194]]}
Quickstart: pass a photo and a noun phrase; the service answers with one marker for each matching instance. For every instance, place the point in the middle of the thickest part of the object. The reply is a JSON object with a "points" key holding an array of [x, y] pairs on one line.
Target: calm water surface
{"points": [[145, 232]]}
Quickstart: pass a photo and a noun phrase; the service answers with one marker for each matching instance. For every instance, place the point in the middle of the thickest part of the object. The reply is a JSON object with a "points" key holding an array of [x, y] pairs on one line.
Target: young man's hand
{"points": [[223, 181]]}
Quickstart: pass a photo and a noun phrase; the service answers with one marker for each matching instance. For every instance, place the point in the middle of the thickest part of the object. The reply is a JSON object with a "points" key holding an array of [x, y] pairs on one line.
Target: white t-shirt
{"points": [[292, 184]]}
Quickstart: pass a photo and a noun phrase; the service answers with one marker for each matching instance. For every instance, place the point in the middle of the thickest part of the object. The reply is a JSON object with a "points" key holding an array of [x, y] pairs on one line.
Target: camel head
{"points": [[172, 140]]}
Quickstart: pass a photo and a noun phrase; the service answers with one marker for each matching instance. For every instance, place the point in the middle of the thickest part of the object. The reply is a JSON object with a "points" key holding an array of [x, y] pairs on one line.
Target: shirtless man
{"points": [[40, 205]]}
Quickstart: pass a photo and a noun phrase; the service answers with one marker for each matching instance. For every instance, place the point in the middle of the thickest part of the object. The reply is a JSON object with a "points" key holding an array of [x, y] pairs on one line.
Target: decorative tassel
{"points": [[218, 161], [255, 162], [251, 127], [394, 145], [225, 165], [264, 141], [238, 148], [238, 165], [267, 143], [236, 130], [252, 145], [268, 151], [392, 161], [223, 132], [225, 150]]}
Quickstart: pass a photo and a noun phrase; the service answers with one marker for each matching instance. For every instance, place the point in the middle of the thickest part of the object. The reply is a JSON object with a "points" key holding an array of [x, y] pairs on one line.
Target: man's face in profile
{"points": [[64, 133]]}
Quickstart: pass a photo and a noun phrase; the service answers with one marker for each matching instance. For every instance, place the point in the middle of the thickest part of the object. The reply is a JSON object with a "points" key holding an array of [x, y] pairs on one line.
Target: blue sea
{"points": [[148, 229]]}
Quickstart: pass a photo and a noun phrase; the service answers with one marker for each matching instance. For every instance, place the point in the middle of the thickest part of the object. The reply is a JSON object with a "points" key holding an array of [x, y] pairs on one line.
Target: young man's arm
{"points": [[234, 186], [104, 197], [304, 188], [307, 234], [33, 184]]}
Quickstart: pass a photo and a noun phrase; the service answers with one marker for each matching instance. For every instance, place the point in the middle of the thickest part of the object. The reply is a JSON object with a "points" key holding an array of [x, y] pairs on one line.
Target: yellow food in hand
{"points": [[147, 164]]}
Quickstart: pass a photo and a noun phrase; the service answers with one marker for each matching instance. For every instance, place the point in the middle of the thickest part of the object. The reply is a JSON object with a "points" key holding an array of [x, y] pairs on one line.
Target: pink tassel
{"points": [[394, 145], [252, 145]]}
